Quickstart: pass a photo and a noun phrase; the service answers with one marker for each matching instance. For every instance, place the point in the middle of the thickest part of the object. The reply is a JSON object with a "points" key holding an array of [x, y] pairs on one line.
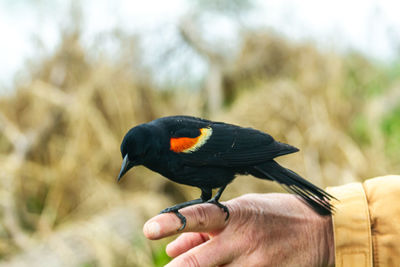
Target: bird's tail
{"points": [[314, 196]]}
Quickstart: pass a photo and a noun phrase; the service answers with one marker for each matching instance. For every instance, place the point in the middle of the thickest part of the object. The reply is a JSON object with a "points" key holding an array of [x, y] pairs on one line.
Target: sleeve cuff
{"points": [[351, 226]]}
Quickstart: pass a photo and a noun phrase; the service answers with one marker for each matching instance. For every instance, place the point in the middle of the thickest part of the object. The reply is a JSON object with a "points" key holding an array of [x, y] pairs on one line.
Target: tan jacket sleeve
{"points": [[366, 224]]}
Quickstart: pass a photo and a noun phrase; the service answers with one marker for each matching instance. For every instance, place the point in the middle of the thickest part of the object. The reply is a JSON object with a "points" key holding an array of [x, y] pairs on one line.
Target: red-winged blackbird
{"points": [[209, 154]]}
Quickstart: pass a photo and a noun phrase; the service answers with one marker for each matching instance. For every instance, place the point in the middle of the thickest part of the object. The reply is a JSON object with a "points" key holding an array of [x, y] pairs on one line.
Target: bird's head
{"points": [[134, 148]]}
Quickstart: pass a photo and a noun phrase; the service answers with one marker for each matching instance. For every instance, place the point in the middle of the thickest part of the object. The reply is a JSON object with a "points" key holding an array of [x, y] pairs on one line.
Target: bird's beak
{"points": [[126, 165]]}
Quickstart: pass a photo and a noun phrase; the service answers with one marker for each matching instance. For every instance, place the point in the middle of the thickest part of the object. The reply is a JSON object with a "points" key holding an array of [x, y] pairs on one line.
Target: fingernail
{"points": [[152, 229]]}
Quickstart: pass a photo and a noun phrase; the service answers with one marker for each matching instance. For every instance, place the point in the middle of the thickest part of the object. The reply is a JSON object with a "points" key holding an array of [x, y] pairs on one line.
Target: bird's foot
{"points": [[175, 209], [178, 214], [223, 207]]}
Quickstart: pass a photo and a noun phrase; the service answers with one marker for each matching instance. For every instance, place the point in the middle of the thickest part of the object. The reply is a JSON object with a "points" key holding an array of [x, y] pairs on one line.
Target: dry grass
{"points": [[60, 136]]}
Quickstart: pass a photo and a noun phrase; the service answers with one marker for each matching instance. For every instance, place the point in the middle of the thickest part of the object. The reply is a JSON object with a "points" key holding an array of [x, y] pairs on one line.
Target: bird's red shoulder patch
{"points": [[188, 144]]}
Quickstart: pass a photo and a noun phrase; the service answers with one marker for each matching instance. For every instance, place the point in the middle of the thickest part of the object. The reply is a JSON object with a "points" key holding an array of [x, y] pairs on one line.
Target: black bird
{"points": [[209, 155]]}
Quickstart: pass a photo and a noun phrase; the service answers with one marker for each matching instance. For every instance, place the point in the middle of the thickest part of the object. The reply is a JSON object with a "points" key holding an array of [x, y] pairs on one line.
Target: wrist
{"points": [[328, 244]]}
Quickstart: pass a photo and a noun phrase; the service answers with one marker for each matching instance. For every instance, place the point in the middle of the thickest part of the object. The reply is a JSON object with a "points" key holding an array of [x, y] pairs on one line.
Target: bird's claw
{"points": [[182, 218], [178, 214], [223, 207]]}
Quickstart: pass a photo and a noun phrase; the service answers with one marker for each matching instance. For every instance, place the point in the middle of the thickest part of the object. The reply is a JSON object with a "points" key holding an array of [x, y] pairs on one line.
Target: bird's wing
{"points": [[226, 145]]}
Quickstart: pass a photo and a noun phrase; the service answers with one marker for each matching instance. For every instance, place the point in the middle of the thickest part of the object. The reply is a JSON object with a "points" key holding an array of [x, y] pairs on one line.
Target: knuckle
{"points": [[201, 216], [235, 209], [190, 261]]}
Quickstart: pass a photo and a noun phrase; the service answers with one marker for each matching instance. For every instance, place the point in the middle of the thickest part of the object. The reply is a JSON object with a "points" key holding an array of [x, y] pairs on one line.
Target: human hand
{"points": [[263, 230]]}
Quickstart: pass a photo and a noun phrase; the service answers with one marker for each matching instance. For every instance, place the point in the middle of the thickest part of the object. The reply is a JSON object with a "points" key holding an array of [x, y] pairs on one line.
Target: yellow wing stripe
{"points": [[187, 144]]}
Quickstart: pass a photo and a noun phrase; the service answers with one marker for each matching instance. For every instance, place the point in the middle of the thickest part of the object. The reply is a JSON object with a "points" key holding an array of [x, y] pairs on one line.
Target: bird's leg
{"points": [[215, 201], [205, 195]]}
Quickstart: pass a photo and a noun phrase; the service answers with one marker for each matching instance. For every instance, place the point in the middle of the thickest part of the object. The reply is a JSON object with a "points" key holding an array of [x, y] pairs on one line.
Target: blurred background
{"points": [[76, 75]]}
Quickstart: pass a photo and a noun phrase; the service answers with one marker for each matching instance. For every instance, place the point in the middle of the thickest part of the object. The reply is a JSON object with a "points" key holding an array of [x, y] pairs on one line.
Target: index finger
{"points": [[199, 218]]}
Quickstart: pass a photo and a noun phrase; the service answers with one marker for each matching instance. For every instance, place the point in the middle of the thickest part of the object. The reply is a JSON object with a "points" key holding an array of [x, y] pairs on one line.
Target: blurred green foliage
{"points": [[391, 129], [160, 257], [359, 130], [366, 80]]}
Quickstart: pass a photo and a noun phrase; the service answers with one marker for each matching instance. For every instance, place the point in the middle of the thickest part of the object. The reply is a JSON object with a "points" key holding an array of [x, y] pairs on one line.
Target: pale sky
{"points": [[370, 26]]}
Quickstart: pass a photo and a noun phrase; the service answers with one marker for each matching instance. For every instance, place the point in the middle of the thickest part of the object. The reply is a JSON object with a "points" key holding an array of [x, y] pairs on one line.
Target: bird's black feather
{"points": [[291, 181]]}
